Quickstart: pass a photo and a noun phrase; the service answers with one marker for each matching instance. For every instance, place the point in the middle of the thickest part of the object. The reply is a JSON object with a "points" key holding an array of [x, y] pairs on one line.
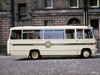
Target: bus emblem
{"points": [[47, 44]]}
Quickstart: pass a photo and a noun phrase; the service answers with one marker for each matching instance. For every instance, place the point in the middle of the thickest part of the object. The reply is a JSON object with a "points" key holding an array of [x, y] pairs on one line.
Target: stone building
{"points": [[55, 12], [5, 23], [58, 12]]}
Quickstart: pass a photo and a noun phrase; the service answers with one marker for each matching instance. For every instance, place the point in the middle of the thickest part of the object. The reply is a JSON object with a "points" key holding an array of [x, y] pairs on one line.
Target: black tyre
{"points": [[85, 54], [34, 55]]}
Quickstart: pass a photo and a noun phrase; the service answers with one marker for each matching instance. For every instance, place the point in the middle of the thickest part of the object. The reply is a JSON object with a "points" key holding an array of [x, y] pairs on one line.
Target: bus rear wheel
{"points": [[34, 55], [86, 54]]}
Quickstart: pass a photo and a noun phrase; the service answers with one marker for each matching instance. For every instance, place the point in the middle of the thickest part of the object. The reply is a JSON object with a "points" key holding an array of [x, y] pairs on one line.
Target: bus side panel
{"points": [[58, 47]]}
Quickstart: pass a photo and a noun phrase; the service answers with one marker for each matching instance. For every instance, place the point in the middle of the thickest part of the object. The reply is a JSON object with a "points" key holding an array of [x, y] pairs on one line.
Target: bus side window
{"points": [[79, 34], [16, 34], [31, 34], [53, 34], [70, 34], [88, 33]]}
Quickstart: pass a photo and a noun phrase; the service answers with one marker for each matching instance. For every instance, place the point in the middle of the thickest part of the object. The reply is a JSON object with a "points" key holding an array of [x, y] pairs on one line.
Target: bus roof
{"points": [[49, 27]]}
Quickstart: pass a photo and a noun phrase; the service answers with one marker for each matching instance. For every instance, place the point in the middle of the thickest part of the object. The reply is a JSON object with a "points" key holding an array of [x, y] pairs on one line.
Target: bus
{"points": [[36, 41]]}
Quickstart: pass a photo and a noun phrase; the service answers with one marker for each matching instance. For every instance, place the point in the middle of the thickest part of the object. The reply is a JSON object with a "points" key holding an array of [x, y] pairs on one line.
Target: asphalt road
{"points": [[19, 65]]}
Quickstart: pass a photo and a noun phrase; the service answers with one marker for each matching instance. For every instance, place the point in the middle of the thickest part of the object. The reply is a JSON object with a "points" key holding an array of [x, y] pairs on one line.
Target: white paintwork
{"points": [[49, 27], [58, 46]]}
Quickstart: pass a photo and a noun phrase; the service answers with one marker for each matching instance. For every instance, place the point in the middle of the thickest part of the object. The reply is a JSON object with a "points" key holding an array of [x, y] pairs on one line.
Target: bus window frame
{"points": [[92, 34], [64, 35], [31, 33], [10, 37], [78, 35], [55, 31], [74, 33]]}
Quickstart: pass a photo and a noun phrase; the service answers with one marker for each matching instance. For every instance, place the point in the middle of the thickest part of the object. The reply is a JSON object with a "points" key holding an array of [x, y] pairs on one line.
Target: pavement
{"points": [[21, 65]]}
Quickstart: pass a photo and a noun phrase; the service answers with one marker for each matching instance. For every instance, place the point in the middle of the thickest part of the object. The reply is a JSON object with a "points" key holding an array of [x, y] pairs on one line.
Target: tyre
{"points": [[85, 54], [34, 55]]}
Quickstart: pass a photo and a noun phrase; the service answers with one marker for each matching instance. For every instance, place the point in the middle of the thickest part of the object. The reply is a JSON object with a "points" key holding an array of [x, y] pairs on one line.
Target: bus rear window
{"points": [[15, 34]]}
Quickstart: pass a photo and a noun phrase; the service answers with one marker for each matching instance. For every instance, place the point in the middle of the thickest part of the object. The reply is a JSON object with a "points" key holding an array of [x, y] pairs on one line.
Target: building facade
{"points": [[5, 23], [56, 12]]}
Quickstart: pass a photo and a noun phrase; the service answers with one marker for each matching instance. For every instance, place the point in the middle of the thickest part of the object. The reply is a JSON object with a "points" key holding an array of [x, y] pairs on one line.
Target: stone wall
{"points": [[5, 23], [57, 20], [58, 4]]}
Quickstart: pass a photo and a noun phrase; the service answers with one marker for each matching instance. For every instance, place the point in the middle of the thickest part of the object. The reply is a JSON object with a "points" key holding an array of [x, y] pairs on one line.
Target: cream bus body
{"points": [[51, 40]]}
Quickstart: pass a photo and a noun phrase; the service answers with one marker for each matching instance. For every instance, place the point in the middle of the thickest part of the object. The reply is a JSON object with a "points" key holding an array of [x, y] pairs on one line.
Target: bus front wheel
{"points": [[86, 54], [34, 55]]}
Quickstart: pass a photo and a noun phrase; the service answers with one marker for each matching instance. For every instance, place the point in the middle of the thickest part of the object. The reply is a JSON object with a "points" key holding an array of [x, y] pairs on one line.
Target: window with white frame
{"points": [[74, 3], [94, 3], [48, 23], [48, 4]]}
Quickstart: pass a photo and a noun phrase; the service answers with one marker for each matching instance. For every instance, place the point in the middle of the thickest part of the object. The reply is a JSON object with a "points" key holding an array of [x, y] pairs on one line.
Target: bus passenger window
{"points": [[70, 34], [31, 34], [88, 33], [79, 34], [53, 34], [16, 34]]}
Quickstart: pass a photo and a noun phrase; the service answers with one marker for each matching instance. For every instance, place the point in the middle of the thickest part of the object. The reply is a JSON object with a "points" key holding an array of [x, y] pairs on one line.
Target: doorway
{"points": [[95, 24]]}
